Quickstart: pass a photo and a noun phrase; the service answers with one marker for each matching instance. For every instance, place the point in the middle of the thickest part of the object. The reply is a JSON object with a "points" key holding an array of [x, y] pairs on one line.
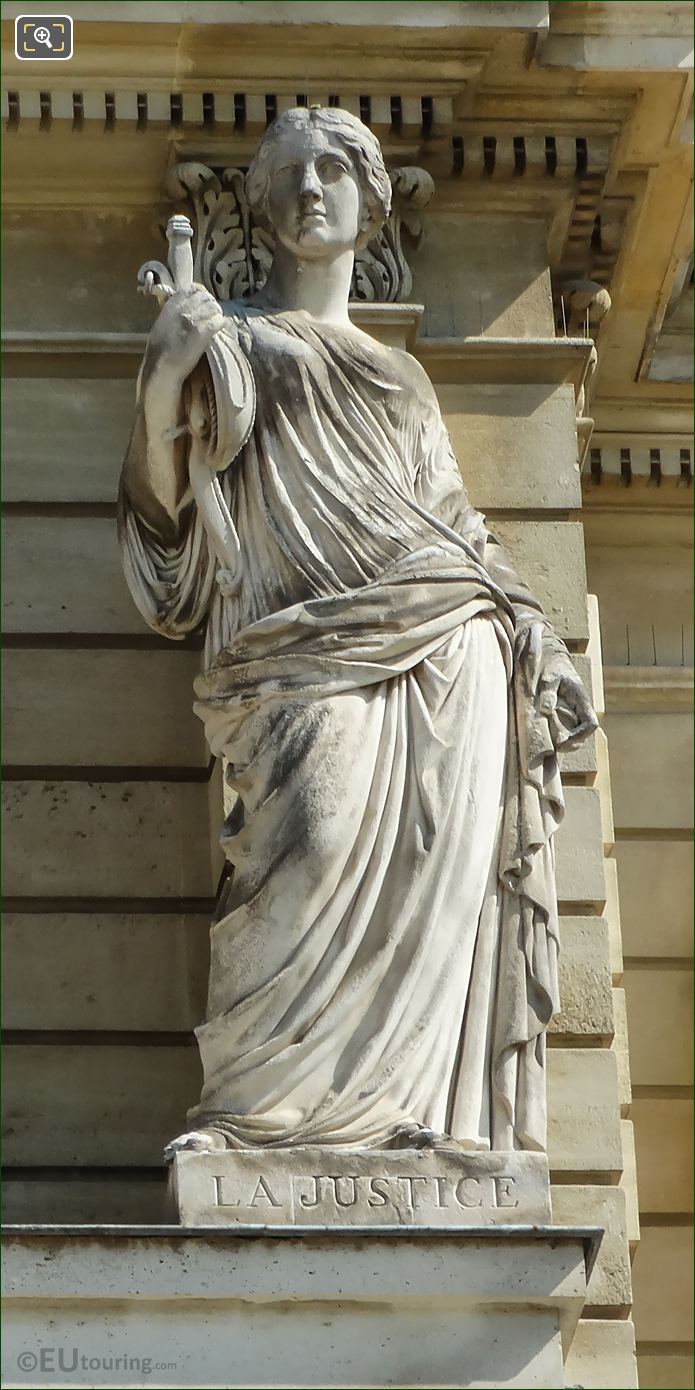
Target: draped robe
{"points": [[384, 947]]}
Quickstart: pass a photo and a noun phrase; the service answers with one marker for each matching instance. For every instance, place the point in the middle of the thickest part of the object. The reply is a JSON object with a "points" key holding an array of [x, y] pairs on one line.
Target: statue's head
{"points": [[319, 180]]}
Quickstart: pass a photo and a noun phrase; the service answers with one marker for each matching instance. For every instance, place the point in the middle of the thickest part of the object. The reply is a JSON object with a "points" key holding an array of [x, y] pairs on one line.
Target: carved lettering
{"points": [[465, 1196], [412, 1190], [304, 1200], [378, 1188], [504, 1192], [441, 1192], [263, 1190], [219, 1194], [336, 1187]]}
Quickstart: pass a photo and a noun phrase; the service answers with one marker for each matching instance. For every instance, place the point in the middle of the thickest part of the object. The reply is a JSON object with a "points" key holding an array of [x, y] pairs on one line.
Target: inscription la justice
{"points": [[413, 1190]]}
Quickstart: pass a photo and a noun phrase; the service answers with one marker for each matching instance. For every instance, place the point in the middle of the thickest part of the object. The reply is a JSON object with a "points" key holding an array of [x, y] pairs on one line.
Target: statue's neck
{"points": [[320, 288]]}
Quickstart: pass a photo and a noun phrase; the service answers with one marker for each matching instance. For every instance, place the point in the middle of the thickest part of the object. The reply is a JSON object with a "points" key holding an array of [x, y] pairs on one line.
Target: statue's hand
{"points": [[183, 331], [562, 697]]}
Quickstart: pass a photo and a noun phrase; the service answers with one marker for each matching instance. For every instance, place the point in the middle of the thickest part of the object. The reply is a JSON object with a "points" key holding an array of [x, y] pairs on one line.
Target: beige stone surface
{"points": [[628, 1182], [47, 557], [94, 1101], [366, 1188], [662, 1283], [105, 708], [585, 980], [469, 1311], [656, 897], [579, 873], [664, 1151], [91, 1198], [63, 574], [105, 1106], [595, 654], [550, 557], [515, 444], [69, 449], [603, 787], [602, 1356], [660, 745], [483, 275], [665, 1371], [583, 1114], [573, 1205], [611, 913], [109, 970], [621, 1047], [645, 596], [106, 839], [660, 1018], [332, 1344], [525, 1270], [84, 263]]}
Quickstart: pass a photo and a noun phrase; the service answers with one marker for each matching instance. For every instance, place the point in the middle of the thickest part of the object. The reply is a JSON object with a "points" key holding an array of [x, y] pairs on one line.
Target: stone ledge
{"points": [[424, 1308], [472, 359], [648, 688]]}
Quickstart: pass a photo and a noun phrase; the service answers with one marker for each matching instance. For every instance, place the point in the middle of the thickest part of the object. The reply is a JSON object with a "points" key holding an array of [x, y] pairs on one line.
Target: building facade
{"points": [[544, 280]]}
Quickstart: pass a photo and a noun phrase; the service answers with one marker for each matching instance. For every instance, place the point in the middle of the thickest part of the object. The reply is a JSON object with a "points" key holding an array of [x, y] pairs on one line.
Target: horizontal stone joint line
{"points": [[665, 1348], [102, 772], [96, 641], [109, 1037], [71, 510], [665, 1219], [585, 1177], [680, 833], [105, 905], [658, 963], [608, 1312], [662, 1092], [93, 1173]]}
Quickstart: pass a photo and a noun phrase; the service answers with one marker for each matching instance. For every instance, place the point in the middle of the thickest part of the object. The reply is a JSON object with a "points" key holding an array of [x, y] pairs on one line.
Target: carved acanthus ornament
{"points": [[232, 252]]}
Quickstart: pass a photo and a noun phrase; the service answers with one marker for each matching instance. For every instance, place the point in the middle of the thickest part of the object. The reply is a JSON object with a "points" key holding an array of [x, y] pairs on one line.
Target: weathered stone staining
{"points": [[305, 1187], [387, 695]]}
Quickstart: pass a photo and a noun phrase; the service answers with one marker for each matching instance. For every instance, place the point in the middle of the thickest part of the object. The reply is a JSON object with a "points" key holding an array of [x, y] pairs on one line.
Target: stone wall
{"points": [[555, 138], [111, 865], [641, 567]]}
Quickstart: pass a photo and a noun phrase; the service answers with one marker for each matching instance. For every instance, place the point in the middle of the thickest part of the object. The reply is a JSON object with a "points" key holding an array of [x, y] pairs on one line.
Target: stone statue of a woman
{"points": [[387, 695]]}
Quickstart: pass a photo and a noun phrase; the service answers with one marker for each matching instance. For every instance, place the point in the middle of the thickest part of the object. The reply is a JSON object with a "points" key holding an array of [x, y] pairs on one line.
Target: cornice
{"points": [[648, 689], [476, 360]]}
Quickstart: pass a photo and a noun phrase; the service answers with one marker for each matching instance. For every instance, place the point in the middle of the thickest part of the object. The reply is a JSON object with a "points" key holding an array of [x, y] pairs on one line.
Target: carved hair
{"points": [[358, 142]]}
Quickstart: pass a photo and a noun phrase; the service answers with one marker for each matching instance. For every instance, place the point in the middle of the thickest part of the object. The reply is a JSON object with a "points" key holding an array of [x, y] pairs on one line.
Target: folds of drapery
{"points": [[321, 636], [316, 650]]}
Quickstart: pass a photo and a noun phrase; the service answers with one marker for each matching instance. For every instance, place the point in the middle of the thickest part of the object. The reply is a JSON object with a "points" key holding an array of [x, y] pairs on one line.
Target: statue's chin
{"points": [[201, 1141]]}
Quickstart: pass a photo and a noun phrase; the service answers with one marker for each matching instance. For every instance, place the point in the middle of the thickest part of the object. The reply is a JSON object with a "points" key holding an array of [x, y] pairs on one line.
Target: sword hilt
{"points": [[180, 258]]}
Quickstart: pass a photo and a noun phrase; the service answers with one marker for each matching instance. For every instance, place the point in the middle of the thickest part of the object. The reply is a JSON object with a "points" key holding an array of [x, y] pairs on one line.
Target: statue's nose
{"points": [[310, 187]]}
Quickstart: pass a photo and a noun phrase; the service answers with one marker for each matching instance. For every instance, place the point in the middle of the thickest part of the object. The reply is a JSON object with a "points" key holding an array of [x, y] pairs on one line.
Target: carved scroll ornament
{"points": [[232, 253]]}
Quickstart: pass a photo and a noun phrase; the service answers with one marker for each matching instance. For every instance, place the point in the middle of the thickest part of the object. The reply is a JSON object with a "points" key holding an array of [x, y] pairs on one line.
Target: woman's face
{"points": [[315, 199]]}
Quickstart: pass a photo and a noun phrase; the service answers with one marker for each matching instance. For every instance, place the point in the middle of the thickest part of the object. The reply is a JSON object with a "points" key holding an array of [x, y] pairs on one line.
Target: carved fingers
{"points": [[563, 699], [184, 330]]}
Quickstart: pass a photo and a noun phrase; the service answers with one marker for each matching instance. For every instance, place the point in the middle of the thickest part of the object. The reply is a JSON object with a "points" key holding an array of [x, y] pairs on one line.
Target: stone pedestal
{"points": [[275, 1306], [366, 1188]]}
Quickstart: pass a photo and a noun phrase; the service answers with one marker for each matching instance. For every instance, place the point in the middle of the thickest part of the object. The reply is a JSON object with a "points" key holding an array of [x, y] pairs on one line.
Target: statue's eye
{"points": [[332, 167]]}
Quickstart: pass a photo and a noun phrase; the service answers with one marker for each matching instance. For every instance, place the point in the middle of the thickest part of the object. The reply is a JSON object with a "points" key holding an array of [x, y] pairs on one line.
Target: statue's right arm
{"points": [[154, 470], [154, 477]]}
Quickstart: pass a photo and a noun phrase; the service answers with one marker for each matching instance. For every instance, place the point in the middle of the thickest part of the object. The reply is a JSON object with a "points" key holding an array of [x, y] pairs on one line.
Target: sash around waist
{"points": [[325, 646]]}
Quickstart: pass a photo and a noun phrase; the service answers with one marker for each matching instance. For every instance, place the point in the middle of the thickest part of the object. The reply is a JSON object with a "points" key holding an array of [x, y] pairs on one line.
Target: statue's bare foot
{"points": [[201, 1141], [416, 1136]]}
